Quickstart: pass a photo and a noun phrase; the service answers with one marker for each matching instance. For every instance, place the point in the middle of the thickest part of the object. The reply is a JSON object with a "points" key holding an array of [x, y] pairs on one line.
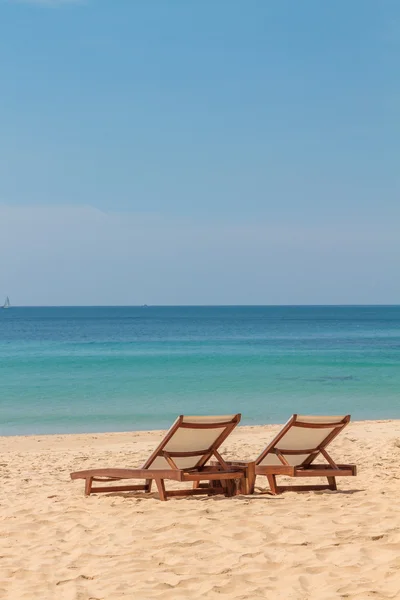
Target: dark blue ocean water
{"points": [[122, 368]]}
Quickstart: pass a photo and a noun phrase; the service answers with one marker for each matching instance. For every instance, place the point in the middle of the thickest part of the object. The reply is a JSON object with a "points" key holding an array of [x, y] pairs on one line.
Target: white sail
{"points": [[7, 303]]}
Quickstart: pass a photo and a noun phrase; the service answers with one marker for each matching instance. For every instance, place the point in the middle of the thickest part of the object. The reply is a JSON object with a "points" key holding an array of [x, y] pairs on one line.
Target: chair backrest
{"points": [[301, 439], [192, 441]]}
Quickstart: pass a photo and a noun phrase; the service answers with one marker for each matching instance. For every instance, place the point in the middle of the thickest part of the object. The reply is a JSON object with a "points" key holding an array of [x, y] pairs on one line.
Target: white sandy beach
{"points": [[57, 544]]}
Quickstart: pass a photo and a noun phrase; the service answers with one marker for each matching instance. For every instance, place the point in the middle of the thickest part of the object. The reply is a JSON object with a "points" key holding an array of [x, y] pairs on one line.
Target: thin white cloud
{"points": [[81, 255]]}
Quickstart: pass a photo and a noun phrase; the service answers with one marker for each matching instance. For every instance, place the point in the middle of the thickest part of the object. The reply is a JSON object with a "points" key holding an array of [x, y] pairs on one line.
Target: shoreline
{"points": [[96, 434]]}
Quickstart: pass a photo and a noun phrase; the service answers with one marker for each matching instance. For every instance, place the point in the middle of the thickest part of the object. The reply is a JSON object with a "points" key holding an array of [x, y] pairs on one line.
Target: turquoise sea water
{"points": [[124, 368]]}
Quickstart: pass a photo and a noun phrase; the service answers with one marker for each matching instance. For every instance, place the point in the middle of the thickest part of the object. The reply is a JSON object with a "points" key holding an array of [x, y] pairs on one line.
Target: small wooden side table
{"points": [[248, 467]]}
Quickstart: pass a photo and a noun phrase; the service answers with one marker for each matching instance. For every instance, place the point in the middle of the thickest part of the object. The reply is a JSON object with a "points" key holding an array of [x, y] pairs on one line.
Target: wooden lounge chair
{"points": [[181, 456], [293, 452]]}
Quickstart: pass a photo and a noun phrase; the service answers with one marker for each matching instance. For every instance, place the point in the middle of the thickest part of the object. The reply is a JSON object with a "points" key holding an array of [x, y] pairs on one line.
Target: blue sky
{"points": [[199, 152]]}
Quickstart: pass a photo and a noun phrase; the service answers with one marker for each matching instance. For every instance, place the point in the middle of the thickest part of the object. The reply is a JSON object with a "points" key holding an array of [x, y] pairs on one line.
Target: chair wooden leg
{"points": [[196, 484], [161, 489], [149, 483], [332, 483], [272, 484], [250, 479], [88, 485]]}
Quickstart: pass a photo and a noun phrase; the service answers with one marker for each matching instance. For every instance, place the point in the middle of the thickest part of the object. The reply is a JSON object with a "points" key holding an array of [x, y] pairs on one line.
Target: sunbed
{"points": [[182, 456], [293, 451]]}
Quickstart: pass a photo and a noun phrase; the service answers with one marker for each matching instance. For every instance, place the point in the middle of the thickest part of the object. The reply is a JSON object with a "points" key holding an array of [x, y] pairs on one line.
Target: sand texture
{"points": [[57, 544]]}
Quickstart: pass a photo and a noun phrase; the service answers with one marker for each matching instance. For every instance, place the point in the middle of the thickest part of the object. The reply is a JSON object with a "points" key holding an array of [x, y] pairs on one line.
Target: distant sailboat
{"points": [[7, 303]]}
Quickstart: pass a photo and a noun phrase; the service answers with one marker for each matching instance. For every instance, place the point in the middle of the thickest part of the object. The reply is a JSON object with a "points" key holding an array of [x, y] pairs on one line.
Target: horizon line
{"points": [[344, 305]]}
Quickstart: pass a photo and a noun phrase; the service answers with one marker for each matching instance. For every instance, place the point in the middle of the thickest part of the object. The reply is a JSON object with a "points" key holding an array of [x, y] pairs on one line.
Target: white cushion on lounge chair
{"points": [[190, 440], [301, 438]]}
